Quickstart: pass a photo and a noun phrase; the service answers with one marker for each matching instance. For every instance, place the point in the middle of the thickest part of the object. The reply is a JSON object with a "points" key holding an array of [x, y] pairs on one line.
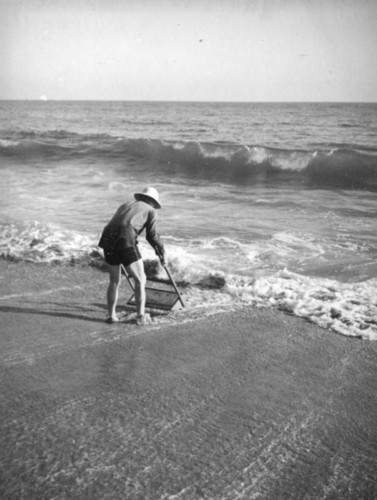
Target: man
{"points": [[120, 246]]}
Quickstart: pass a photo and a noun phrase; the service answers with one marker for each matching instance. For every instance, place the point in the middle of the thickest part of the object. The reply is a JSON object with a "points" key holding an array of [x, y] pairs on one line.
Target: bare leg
{"points": [[112, 292], [136, 270]]}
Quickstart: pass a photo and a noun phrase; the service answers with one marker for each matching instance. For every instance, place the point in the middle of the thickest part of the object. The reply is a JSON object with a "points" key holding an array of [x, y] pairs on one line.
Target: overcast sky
{"points": [[192, 50]]}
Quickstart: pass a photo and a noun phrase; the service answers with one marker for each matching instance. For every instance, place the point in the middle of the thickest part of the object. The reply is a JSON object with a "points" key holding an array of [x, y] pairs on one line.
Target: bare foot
{"points": [[112, 319], [143, 319]]}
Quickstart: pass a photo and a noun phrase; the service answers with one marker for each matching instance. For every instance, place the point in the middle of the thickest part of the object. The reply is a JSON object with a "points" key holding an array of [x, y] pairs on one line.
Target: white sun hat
{"points": [[149, 192]]}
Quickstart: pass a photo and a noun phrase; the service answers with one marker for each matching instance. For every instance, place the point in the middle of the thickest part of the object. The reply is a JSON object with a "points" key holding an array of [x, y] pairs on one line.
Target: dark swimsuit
{"points": [[125, 256]]}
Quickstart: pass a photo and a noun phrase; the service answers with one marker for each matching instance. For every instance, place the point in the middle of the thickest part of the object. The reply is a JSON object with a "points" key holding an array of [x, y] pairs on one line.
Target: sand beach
{"points": [[256, 122], [248, 404]]}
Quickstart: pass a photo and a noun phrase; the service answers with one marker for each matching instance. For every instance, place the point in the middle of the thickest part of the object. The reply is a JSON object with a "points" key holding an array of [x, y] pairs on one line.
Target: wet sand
{"points": [[253, 404]]}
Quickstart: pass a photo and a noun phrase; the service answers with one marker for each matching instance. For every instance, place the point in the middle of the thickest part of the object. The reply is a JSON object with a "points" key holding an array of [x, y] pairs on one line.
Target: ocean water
{"points": [[264, 205]]}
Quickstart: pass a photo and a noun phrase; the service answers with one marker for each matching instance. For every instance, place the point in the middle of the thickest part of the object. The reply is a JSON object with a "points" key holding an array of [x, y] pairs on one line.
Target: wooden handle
{"points": [[174, 285]]}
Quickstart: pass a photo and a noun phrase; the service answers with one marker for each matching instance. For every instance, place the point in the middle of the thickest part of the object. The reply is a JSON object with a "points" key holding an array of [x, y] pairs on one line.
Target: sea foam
{"points": [[346, 308]]}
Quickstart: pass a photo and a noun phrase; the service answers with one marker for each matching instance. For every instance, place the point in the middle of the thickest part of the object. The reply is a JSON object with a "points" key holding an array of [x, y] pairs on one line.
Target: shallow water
{"points": [[279, 200]]}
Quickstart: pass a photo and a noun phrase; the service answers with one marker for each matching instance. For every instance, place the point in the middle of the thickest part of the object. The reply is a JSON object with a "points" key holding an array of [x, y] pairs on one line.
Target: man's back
{"points": [[128, 222]]}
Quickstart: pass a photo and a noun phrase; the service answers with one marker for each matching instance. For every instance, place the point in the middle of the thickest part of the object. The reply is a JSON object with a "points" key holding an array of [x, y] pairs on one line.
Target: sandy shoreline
{"points": [[246, 404]]}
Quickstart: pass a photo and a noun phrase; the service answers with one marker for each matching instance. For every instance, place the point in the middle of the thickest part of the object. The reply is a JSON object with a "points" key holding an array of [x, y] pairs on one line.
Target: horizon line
{"points": [[191, 101]]}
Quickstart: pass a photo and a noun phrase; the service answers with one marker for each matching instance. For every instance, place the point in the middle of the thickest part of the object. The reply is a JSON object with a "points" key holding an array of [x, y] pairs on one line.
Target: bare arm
{"points": [[153, 237]]}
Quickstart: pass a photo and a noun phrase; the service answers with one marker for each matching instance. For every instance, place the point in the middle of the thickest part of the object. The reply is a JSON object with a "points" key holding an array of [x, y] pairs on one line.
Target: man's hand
{"points": [[161, 256]]}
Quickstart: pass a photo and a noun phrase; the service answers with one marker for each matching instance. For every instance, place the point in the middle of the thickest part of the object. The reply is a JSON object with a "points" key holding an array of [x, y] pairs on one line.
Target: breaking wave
{"points": [[332, 166], [47, 244]]}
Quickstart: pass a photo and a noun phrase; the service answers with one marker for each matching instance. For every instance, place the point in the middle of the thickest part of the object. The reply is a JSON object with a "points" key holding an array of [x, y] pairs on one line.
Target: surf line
{"points": [[45, 292]]}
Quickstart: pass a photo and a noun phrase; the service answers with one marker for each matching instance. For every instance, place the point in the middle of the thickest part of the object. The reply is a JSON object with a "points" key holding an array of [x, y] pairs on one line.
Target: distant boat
{"points": [[43, 98]]}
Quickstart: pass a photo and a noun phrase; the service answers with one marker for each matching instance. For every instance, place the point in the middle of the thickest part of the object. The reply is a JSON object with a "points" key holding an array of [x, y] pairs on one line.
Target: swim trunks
{"points": [[125, 256]]}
